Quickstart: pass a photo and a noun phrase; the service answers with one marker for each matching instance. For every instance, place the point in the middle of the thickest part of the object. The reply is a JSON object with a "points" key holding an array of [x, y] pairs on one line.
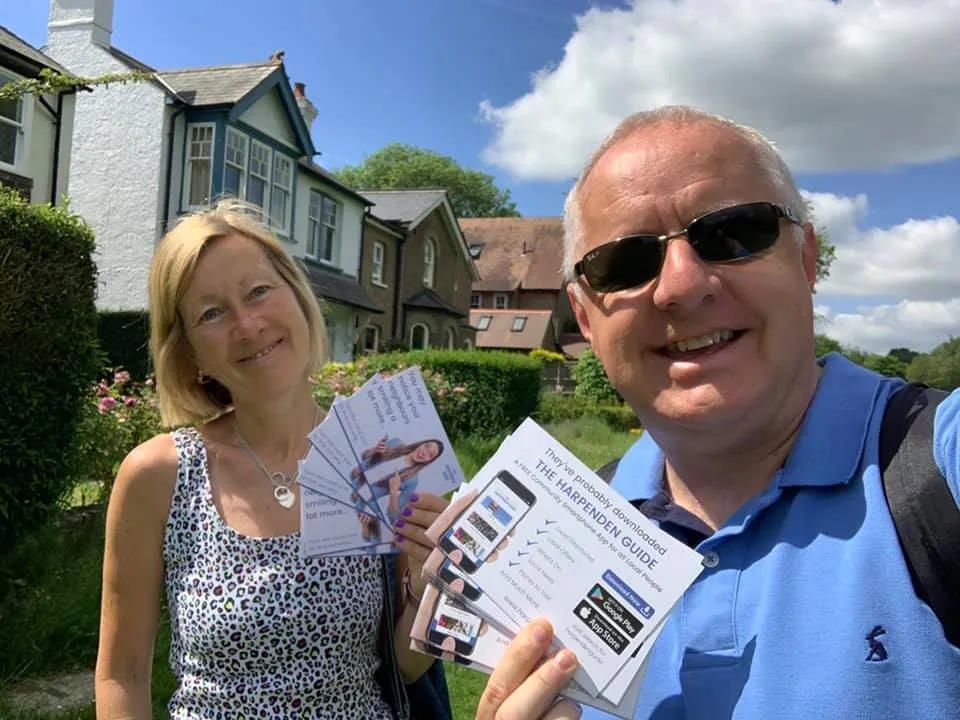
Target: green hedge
{"points": [[592, 381], [124, 338], [476, 392], [555, 407], [48, 355]]}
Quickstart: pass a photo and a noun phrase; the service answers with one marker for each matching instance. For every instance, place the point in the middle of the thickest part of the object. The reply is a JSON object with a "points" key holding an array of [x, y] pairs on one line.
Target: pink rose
{"points": [[130, 402], [121, 377], [106, 405]]}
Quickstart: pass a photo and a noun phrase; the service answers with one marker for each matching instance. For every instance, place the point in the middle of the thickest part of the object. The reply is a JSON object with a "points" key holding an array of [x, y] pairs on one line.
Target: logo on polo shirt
{"points": [[878, 653]]}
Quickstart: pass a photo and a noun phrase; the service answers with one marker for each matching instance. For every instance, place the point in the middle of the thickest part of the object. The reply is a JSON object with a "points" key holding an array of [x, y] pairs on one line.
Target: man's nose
{"points": [[686, 281]]}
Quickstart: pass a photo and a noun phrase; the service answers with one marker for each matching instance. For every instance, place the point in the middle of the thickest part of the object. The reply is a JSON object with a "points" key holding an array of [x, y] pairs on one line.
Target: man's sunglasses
{"points": [[733, 233]]}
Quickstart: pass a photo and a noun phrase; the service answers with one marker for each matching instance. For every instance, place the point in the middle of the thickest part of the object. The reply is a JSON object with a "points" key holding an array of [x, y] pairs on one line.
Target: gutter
{"points": [[165, 222], [58, 130], [398, 308]]}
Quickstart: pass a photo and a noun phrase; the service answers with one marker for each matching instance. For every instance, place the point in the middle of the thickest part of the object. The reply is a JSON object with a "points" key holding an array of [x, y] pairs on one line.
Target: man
{"points": [[755, 454]]}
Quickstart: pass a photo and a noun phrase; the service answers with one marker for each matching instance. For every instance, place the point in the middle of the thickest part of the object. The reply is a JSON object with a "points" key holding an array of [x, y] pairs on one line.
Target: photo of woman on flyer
{"points": [[390, 469]]}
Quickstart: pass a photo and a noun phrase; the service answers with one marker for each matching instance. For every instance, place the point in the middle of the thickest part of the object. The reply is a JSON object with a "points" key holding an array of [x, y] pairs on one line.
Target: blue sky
{"points": [[862, 97]]}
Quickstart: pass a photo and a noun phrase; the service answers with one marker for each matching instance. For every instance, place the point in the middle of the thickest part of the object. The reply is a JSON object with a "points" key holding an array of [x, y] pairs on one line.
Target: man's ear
{"points": [[810, 252], [575, 294]]}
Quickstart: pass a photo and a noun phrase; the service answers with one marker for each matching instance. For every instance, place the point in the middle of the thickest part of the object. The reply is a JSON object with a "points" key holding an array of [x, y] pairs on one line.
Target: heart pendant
{"points": [[284, 496]]}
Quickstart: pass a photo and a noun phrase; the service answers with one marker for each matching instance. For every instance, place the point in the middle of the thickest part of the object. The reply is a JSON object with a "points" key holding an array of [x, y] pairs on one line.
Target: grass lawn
{"points": [[48, 624]]}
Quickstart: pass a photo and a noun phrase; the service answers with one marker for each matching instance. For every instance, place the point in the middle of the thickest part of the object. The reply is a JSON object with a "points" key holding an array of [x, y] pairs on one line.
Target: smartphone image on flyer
{"points": [[478, 531], [453, 620], [449, 573]]}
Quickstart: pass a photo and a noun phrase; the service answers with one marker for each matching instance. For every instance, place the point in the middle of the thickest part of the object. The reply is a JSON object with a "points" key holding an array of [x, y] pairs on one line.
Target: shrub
{"points": [[546, 356], [592, 381], [476, 393], [124, 337], [117, 416], [48, 354], [555, 408]]}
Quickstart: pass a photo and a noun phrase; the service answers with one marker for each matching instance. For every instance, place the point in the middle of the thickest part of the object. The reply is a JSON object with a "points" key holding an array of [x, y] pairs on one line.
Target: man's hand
{"points": [[519, 690]]}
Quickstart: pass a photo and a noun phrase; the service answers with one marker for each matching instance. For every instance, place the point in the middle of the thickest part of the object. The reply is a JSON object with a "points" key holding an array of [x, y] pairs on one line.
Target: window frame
{"points": [[426, 336], [21, 126], [429, 266], [451, 343], [316, 225], [377, 266], [284, 228], [519, 323], [267, 181], [483, 322], [376, 339], [506, 301], [479, 299], [242, 189], [189, 160]]}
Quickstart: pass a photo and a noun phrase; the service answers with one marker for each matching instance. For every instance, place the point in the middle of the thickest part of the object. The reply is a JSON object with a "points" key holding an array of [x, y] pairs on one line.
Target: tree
{"points": [[823, 345], [401, 167], [886, 365], [904, 355], [939, 368]]}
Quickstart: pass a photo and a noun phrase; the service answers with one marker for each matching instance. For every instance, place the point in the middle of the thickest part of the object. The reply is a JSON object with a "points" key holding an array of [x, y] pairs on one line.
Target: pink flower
{"points": [[130, 401], [121, 377], [106, 405], [149, 382], [459, 389], [103, 390]]}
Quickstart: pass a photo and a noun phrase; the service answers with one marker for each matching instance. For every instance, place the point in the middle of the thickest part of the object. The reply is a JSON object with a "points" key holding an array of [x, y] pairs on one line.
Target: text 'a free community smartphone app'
{"points": [[486, 522]]}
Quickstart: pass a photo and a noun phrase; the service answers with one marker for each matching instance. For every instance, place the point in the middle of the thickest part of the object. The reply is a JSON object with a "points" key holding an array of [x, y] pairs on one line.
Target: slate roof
{"points": [[406, 206], [14, 43], [525, 253], [427, 299], [337, 287], [219, 85], [331, 179], [537, 330]]}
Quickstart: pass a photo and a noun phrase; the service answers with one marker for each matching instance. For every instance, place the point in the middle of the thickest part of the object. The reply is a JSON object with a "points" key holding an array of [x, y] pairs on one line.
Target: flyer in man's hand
{"points": [[538, 534]]}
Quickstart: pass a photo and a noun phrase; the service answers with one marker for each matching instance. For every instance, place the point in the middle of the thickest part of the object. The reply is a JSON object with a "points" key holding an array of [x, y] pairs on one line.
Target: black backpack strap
{"points": [[606, 472], [924, 510]]}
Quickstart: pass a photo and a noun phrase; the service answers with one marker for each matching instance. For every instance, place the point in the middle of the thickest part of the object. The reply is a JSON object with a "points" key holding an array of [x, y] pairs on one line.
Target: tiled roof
{"points": [[15, 43], [406, 206], [331, 179], [220, 85], [427, 299], [537, 329], [516, 252], [337, 287]]}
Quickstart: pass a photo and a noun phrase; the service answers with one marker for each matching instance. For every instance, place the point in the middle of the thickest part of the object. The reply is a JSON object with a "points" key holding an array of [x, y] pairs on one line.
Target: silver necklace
{"points": [[281, 483]]}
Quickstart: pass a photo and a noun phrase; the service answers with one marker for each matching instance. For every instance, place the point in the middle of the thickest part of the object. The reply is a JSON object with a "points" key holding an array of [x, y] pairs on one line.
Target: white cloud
{"points": [[917, 259], [915, 324], [838, 86]]}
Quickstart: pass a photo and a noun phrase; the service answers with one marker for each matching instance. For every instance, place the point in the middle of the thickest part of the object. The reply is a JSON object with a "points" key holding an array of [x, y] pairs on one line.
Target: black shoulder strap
{"points": [[606, 472], [924, 511]]}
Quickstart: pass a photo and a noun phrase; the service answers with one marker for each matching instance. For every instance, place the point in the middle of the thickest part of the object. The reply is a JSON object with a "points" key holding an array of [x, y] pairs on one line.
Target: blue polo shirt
{"points": [[807, 609]]}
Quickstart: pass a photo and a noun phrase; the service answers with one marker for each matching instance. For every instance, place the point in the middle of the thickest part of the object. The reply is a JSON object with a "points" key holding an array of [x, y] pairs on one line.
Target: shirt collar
{"points": [[833, 433]]}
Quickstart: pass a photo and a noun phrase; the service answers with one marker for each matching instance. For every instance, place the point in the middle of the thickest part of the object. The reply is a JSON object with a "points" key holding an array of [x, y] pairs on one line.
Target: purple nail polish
{"points": [[399, 523], [414, 497], [407, 511], [399, 539]]}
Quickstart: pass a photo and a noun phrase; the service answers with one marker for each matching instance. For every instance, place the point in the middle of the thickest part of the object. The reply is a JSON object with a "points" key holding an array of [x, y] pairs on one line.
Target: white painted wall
{"points": [[347, 254], [116, 166], [341, 330], [269, 116]]}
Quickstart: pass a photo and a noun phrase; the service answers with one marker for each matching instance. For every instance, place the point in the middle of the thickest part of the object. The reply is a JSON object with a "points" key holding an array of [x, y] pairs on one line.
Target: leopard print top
{"points": [[256, 632]]}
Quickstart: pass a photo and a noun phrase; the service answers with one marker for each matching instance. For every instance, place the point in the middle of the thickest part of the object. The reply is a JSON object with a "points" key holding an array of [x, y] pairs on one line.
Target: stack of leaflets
{"points": [[537, 534], [371, 454]]}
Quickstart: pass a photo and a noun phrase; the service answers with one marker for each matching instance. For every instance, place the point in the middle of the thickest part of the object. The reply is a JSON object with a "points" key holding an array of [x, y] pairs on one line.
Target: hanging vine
{"points": [[52, 82]]}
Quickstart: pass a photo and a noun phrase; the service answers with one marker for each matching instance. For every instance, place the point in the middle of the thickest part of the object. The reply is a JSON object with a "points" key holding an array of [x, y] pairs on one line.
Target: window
{"points": [[467, 345], [518, 323], [280, 193], [429, 261], [376, 272], [475, 250], [235, 164], [419, 337], [500, 301], [371, 339], [484, 322], [475, 300], [258, 183], [321, 226], [12, 130], [451, 339], [199, 163]]}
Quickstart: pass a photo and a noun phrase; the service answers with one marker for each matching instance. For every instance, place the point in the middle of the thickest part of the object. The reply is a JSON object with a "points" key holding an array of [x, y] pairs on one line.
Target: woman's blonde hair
{"points": [[183, 399]]}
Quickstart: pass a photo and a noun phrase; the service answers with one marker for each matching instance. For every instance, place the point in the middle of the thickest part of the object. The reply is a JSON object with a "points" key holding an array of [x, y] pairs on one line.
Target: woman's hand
{"points": [[411, 538], [517, 688]]}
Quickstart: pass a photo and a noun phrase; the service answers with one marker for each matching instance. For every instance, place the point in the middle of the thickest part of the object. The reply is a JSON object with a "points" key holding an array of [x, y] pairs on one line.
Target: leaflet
{"points": [[328, 527], [545, 537], [398, 442]]}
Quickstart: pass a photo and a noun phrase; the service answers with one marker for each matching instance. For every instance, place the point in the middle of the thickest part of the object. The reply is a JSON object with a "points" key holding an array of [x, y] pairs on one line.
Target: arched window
{"points": [[467, 345], [419, 337], [429, 260], [451, 339]]}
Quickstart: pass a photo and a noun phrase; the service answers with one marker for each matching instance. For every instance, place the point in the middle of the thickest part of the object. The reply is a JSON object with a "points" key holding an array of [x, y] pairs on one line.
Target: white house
{"points": [[35, 131], [145, 153]]}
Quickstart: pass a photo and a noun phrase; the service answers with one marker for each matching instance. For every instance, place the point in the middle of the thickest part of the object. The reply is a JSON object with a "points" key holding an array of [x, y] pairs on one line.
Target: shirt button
{"points": [[711, 560]]}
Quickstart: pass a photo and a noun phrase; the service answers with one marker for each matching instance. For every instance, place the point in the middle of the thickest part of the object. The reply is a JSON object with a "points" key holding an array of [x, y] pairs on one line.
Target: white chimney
{"points": [[90, 16], [307, 108]]}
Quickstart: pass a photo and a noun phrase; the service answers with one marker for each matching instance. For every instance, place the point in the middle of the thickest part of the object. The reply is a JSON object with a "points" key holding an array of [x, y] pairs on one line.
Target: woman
{"points": [[210, 512], [397, 466]]}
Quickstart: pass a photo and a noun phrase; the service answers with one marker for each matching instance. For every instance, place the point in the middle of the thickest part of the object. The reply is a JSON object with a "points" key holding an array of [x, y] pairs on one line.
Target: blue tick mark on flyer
{"points": [[627, 593]]}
